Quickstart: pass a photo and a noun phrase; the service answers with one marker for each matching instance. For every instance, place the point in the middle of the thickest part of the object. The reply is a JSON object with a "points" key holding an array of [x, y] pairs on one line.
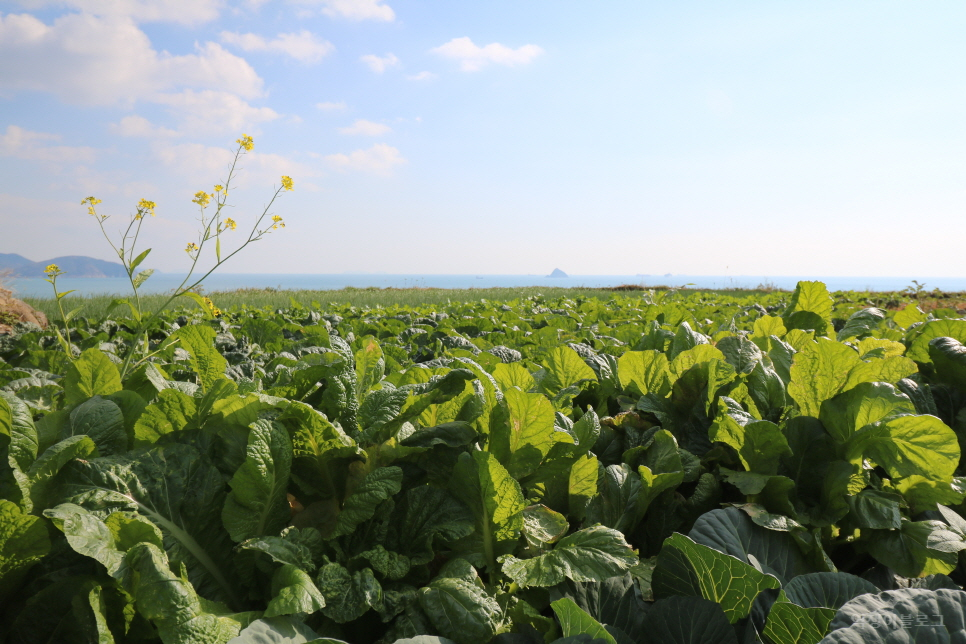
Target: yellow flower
{"points": [[147, 206], [192, 248], [246, 142], [277, 222], [286, 182], [230, 224], [215, 311], [202, 198], [219, 188], [52, 270], [91, 201]]}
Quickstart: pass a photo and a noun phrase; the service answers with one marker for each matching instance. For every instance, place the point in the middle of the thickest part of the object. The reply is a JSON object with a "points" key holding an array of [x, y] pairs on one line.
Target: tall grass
{"points": [[96, 306]]}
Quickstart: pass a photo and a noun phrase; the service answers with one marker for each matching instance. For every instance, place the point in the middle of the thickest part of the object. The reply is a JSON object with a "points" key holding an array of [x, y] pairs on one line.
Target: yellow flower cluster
{"points": [[91, 202], [287, 182], [219, 188], [145, 206], [277, 222], [230, 224], [202, 198], [215, 311], [52, 269], [192, 248], [246, 142]]}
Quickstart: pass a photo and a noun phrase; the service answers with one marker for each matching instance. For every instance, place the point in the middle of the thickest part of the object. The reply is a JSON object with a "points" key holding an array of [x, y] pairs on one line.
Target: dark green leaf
{"points": [[591, 554], [348, 596], [177, 489], [205, 361], [574, 621], [732, 532], [826, 589], [687, 620], [689, 569], [257, 505], [495, 499], [912, 615], [91, 374], [23, 543], [293, 592], [378, 486], [460, 610], [103, 421]]}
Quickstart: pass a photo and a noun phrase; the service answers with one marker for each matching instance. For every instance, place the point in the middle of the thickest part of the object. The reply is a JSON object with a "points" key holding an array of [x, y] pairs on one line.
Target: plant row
{"points": [[657, 468]]}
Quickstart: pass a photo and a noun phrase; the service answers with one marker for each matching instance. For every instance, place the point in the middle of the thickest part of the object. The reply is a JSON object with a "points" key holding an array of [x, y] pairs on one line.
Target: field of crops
{"points": [[649, 468]]}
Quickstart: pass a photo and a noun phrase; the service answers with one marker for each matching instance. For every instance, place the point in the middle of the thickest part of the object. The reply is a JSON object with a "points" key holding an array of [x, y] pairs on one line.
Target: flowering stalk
{"points": [[212, 226], [125, 251], [52, 272]]}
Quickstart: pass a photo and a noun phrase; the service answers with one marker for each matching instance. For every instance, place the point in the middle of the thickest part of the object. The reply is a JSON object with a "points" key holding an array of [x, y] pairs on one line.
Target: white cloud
{"points": [[202, 162], [379, 159], [358, 9], [378, 64], [210, 164], [210, 111], [106, 61], [366, 128], [187, 12], [140, 127], [472, 57], [421, 76], [331, 107], [303, 46], [33, 146]]}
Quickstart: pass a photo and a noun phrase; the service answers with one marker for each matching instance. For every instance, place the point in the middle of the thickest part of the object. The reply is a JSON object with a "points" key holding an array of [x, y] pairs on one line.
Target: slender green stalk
{"points": [[52, 272], [211, 229]]}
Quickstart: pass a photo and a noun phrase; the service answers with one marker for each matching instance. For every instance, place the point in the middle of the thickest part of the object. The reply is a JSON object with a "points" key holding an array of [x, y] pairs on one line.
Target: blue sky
{"points": [[738, 138]]}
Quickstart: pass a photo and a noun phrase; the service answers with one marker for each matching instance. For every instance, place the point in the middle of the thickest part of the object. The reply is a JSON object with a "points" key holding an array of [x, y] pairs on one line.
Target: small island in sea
{"points": [[557, 273]]}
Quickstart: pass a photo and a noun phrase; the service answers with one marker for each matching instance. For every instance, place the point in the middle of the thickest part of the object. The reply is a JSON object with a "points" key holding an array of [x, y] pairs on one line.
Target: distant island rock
{"points": [[73, 265], [558, 273]]}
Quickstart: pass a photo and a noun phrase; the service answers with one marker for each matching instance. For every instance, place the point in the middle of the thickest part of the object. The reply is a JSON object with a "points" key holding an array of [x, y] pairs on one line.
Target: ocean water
{"points": [[166, 282]]}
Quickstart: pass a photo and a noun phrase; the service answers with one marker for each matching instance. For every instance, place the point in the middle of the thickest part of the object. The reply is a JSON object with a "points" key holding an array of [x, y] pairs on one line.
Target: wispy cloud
{"points": [[359, 10], [89, 60], [35, 146], [422, 76], [302, 46], [193, 160], [186, 12], [210, 111], [331, 107], [472, 57], [379, 159], [138, 126], [378, 64], [366, 128]]}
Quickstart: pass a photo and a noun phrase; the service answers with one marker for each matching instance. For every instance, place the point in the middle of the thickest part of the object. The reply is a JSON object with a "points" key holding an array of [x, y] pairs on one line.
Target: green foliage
{"points": [[673, 467]]}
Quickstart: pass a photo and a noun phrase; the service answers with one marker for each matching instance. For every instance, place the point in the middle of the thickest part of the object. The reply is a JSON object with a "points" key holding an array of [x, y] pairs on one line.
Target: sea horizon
{"points": [[166, 282]]}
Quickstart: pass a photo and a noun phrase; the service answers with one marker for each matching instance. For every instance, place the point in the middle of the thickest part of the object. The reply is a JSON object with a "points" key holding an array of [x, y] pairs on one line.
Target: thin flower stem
{"points": [[206, 234], [65, 339]]}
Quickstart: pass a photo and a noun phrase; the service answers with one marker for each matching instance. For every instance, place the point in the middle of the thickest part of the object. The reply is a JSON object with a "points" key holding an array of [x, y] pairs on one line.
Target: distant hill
{"points": [[557, 273], [74, 265]]}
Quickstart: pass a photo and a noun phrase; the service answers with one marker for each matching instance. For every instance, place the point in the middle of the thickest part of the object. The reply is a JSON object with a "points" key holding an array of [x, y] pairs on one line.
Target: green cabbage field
{"points": [[653, 468]]}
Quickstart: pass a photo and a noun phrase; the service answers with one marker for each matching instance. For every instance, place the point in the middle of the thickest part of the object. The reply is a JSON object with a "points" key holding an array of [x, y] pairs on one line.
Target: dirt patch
{"points": [[13, 311]]}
